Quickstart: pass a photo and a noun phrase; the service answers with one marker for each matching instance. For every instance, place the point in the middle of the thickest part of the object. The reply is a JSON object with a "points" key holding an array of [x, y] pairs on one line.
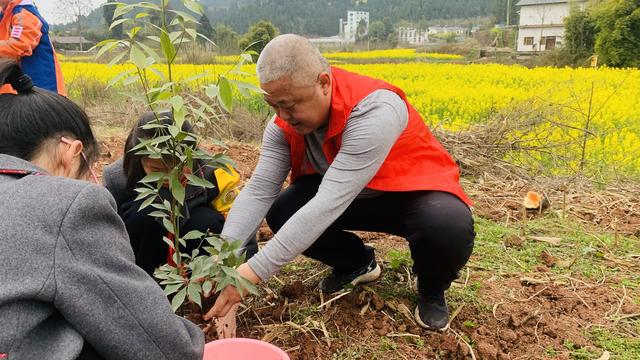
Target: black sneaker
{"points": [[336, 282], [432, 312]]}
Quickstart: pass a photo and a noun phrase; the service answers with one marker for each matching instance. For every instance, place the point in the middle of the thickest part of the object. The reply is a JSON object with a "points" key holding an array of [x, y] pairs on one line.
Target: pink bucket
{"points": [[242, 349]]}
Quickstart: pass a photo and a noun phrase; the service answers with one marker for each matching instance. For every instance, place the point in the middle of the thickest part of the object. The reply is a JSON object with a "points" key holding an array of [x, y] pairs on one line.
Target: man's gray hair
{"points": [[292, 56]]}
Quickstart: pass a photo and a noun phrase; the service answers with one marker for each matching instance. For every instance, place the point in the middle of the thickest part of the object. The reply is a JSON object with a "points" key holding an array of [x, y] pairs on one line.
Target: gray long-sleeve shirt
{"points": [[372, 129]]}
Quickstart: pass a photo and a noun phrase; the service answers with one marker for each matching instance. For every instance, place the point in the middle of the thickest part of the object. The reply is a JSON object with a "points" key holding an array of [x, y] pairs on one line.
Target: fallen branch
{"points": [[333, 299], [623, 317], [532, 296], [473, 355], [549, 240], [391, 335]]}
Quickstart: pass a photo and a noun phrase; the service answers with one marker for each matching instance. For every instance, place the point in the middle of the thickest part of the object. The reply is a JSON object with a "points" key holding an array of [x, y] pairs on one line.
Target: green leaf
{"points": [[207, 286], [167, 46], [194, 6], [192, 32], [119, 77], [206, 39], [105, 46], [225, 96], [248, 86], [117, 59], [153, 177], [198, 181], [159, 140], [168, 225], [194, 290], [148, 5], [193, 234], [183, 17], [158, 73], [121, 10], [173, 130], [146, 203], [158, 214], [177, 103], [247, 57], [244, 284], [150, 52], [138, 57], [169, 242], [142, 15], [178, 299], [223, 283], [170, 289], [118, 22], [130, 80], [212, 91], [177, 190]]}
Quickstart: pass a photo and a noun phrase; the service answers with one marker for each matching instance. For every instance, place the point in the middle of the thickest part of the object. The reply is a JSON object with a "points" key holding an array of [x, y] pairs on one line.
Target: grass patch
{"points": [[580, 252], [620, 346]]}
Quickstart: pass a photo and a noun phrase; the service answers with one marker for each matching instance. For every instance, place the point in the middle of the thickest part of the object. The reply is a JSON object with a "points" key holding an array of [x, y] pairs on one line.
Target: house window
{"points": [[528, 41], [543, 40]]}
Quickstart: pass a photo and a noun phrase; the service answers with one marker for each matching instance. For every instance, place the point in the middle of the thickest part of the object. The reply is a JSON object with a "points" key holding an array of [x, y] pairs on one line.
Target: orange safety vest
{"points": [[24, 37], [417, 161]]}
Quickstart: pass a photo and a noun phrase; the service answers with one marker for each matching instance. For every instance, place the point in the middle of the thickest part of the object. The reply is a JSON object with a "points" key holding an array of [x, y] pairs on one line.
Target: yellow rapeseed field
{"points": [[390, 54], [456, 96], [396, 55]]}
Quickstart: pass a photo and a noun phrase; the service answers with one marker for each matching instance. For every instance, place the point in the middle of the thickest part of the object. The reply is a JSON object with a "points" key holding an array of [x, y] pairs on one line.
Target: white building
{"points": [[349, 27], [413, 36], [439, 29], [542, 23]]}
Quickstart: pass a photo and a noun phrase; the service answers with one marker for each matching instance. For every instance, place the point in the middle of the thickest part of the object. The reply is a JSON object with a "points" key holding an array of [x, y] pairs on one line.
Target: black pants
{"points": [[437, 225], [145, 233]]}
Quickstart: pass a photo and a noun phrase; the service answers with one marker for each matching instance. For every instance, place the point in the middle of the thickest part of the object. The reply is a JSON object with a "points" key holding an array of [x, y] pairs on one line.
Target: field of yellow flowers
{"points": [[457, 97]]}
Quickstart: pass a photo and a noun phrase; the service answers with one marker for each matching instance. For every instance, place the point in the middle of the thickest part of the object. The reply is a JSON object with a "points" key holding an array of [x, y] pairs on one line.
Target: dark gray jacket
{"points": [[69, 287]]}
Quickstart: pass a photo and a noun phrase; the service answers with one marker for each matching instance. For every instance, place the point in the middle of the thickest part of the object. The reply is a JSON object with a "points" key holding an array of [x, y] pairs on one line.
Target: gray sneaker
{"points": [[432, 312]]}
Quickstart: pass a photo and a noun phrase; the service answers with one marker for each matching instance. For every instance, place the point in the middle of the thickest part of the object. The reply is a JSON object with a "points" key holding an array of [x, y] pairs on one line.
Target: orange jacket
{"points": [[24, 36], [417, 161]]}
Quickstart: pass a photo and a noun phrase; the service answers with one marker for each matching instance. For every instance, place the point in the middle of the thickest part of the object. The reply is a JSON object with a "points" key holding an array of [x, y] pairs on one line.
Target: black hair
{"points": [[33, 116], [132, 162]]}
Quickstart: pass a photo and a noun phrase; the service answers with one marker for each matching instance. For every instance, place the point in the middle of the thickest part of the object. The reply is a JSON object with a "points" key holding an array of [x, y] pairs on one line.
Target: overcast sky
{"points": [[51, 11]]}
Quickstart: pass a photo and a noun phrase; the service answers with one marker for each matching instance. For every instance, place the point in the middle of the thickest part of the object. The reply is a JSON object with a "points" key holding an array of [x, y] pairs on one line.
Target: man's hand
{"points": [[230, 296]]}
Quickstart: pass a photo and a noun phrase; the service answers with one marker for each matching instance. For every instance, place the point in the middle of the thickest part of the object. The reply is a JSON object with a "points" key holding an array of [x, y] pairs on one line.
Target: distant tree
{"points": [[77, 10], [388, 25], [226, 39], [377, 31], [506, 10], [392, 39], [108, 10], [204, 27], [618, 25], [258, 36], [580, 36], [361, 30]]}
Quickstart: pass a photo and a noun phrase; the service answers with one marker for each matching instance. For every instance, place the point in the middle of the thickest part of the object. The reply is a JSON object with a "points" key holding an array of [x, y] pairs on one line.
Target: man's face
{"points": [[306, 107]]}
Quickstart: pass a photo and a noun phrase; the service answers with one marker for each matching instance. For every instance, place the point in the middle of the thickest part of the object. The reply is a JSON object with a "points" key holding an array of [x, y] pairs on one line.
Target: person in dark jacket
{"points": [[69, 286], [145, 232]]}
